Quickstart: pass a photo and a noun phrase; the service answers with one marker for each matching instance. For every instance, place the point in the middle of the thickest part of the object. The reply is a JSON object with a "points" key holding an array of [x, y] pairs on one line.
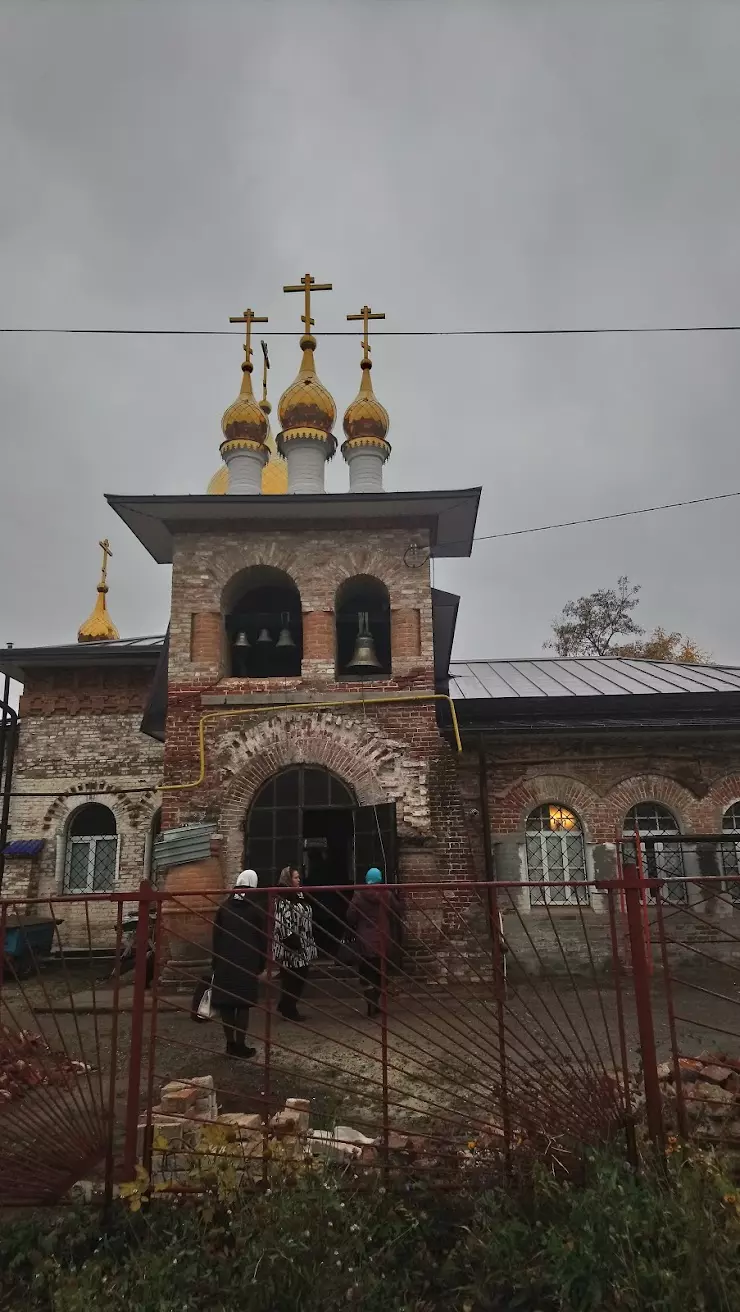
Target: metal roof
{"points": [[585, 676], [112, 651]]}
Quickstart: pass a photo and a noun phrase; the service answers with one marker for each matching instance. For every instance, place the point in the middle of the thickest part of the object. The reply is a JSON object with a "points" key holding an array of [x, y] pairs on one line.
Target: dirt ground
{"points": [[442, 1043]]}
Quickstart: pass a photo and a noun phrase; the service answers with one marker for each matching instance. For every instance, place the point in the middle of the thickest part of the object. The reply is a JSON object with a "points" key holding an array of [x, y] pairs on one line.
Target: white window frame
{"points": [[91, 841], [553, 896]]}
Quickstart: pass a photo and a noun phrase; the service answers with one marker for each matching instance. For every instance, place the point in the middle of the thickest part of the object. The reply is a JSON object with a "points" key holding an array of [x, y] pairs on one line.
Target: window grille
{"points": [[556, 856], [660, 861], [730, 852]]}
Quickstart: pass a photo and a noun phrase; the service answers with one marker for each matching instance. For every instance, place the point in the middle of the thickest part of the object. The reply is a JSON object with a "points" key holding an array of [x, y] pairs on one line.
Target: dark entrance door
{"points": [[306, 817], [278, 820]]}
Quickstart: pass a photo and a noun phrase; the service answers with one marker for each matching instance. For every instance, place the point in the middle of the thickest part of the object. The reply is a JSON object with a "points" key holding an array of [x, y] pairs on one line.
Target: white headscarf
{"points": [[247, 879]]}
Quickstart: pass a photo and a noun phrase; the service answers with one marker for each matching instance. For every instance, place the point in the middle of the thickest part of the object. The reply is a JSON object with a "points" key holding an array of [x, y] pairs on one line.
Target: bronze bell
{"points": [[285, 639], [264, 639], [241, 640], [364, 656]]}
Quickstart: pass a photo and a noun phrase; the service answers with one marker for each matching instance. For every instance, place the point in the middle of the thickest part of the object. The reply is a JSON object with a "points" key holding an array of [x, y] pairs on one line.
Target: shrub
{"points": [[667, 1241]]}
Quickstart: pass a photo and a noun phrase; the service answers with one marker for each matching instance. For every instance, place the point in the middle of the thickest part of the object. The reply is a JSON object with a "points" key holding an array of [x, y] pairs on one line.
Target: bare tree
{"points": [[593, 625]]}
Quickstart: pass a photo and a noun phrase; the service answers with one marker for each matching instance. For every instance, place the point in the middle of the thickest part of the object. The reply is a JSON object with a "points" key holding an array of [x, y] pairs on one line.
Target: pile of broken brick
{"points": [[26, 1062], [710, 1085], [192, 1139]]}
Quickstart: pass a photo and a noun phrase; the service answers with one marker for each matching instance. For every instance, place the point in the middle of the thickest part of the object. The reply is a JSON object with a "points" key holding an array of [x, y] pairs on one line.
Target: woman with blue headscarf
{"points": [[370, 915]]}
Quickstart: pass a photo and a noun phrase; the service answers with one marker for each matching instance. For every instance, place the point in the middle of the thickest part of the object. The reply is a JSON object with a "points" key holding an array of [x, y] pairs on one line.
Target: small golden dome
{"points": [[366, 421], [244, 420], [306, 408], [99, 626]]}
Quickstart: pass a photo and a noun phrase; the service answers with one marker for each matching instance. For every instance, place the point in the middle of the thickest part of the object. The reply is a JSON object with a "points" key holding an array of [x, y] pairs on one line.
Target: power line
{"points": [[388, 332], [599, 519]]}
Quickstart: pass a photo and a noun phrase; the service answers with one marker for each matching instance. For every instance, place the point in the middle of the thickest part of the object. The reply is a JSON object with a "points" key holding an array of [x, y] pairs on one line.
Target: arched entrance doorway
{"points": [[305, 816]]}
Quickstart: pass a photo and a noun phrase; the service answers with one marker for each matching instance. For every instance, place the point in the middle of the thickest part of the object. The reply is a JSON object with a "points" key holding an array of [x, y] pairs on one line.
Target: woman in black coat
{"points": [[238, 961]]}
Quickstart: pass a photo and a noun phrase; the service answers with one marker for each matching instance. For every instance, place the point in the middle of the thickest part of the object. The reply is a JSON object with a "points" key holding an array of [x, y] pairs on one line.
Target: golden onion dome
{"points": [[306, 409], [244, 421], [366, 421], [99, 626]]}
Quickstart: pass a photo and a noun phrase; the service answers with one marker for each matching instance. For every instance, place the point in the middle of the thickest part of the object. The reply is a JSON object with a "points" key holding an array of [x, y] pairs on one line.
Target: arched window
{"points": [[91, 856], [661, 860], [731, 851], [264, 624], [363, 619], [556, 856]]}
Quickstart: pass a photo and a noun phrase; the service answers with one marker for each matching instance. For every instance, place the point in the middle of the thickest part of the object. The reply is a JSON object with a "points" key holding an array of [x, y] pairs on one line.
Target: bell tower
{"points": [[305, 631]]}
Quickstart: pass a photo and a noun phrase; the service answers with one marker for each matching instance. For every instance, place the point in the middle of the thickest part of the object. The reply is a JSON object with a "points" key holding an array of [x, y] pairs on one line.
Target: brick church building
{"points": [[304, 703]]}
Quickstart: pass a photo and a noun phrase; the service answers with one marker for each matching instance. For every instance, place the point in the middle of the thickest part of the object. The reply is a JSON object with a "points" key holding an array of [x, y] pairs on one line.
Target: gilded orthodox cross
{"points": [[308, 285], [248, 317], [105, 544], [366, 315]]}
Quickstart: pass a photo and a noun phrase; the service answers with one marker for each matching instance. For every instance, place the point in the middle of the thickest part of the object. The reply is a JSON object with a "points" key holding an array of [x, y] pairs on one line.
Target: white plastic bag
{"points": [[205, 1006]]}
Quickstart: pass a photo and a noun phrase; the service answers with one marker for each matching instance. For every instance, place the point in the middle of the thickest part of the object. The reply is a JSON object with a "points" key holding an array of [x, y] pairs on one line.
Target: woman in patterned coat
{"points": [[293, 942]]}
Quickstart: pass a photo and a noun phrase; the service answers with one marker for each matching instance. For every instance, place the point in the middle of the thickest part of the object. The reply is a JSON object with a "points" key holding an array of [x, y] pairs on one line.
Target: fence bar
{"points": [[497, 950], [267, 1068], [110, 1151], [384, 1027], [633, 892], [146, 896], [683, 1123]]}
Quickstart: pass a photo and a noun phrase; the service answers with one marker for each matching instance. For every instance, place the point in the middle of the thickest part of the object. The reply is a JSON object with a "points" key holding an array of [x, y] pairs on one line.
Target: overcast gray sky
{"points": [[457, 165]]}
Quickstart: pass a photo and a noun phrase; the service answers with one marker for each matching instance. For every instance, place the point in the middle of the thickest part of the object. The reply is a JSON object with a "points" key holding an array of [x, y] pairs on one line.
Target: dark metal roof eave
{"points": [[450, 515], [627, 709], [91, 655]]}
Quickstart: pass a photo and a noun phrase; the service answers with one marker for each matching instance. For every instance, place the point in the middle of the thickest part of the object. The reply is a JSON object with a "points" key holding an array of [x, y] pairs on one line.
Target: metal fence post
{"points": [[267, 1070], [138, 1005], [498, 959], [633, 896], [384, 1024], [110, 1147]]}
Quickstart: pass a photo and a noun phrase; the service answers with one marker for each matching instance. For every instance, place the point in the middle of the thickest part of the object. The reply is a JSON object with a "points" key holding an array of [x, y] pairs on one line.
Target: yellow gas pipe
{"points": [[312, 706]]}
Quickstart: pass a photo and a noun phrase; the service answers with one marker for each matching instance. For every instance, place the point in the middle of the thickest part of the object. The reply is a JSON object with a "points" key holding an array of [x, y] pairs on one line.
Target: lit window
{"points": [[556, 856]]}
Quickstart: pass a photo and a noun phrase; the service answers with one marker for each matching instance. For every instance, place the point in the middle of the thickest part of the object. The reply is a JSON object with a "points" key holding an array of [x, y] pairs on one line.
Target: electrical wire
{"points": [[390, 332], [599, 519]]}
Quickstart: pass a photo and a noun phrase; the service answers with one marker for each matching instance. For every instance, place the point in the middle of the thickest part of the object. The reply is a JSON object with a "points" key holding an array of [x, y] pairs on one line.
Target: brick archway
{"points": [[565, 790], [351, 749], [651, 788]]}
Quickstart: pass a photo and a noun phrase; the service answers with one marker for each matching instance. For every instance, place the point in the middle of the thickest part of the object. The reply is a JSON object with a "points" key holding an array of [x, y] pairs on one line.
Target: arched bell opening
{"points": [[264, 624], [363, 620]]}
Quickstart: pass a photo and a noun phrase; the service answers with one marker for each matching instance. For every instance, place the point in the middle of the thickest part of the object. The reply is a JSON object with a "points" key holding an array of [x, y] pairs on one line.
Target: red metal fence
{"points": [[465, 1027]]}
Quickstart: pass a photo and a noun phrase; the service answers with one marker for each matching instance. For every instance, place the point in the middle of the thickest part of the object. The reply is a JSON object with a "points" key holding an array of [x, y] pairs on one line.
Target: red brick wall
{"points": [[600, 777], [206, 637], [405, 633], [318, 636], [206, 567], [85, 691]]}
